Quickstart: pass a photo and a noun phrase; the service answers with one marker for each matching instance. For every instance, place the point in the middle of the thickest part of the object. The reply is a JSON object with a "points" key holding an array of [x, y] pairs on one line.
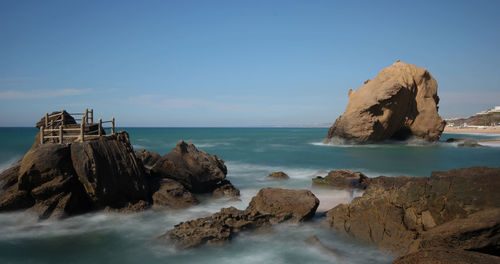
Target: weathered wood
{"points": [[113, 126], [61, 135], [91, 116], [99, 128], [41, 135], [86, 116], [46, 119], [81, 132]]}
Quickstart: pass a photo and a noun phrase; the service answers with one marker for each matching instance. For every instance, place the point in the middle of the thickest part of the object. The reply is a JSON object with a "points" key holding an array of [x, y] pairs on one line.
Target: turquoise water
{"points": [[250, 154]]}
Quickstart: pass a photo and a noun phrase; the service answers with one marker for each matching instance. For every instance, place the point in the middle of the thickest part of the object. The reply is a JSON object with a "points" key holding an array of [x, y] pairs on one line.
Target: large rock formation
{"points": [[197, 170], [270, 206], [457, 208], [57, 180], [447, 256], [400, 102]]}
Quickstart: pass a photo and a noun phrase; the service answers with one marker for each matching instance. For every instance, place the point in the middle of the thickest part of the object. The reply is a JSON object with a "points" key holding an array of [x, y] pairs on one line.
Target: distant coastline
{"points": [[482, 130]]}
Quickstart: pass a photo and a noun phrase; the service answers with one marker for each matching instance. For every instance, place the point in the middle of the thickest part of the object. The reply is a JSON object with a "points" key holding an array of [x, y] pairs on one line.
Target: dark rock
{"points": [[469, 142], [401, 102], [197, 170], [342, 179], [446, 256], [9, 176], [147, 157], [452, 140], [278, 175], [395, 213], [225, 188], [172, 194], [314, 241], [270, 206]]}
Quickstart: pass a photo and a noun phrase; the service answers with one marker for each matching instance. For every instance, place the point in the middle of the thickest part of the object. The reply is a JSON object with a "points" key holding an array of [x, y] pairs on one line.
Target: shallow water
{"points": [[250, 155]]}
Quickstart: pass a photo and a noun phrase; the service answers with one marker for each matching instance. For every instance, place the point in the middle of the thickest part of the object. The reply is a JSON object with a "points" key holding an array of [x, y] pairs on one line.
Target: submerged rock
{"points": [[270, 206], [401, 102], [278, 175], [197, 170], [405, 214], [342, 179], [314, 241]]}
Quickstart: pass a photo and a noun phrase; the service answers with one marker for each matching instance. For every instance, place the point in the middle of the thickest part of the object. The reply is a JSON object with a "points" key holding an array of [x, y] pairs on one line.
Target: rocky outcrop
{"points": [[270, 206], [405, 214], [225, 189], [399, 103], [342, 179], [278, 175], [147, 157], [447, 256], [58, 180], [171, 194], [197, 170]]}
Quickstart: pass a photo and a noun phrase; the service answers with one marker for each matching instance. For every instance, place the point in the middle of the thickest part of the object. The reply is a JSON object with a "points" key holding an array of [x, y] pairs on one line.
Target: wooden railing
{"points": [[56, 131]]}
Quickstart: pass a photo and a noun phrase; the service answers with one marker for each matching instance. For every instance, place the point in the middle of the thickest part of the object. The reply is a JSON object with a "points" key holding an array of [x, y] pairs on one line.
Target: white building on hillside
{"points": [[495, 109]]}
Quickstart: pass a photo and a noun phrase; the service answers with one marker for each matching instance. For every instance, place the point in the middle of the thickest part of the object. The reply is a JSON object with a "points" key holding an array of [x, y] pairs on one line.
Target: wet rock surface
{"points": [[269, 206], [406, 214], [278, 175], [447, 256], [342, 179], [147, 157]]}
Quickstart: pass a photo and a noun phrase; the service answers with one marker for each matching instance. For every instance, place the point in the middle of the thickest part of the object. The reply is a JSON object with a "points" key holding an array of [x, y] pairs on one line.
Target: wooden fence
{"points": [[57, 130]]}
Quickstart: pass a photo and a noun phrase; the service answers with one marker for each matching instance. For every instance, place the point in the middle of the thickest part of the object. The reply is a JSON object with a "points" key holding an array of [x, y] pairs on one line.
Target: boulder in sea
{"points": [[147, 157], [225, 189], [406, 214], [197, 170], [469, 142], [343, 179], [401, 102], [58, 180], [270, 206], [278, 175], [171, 194]]}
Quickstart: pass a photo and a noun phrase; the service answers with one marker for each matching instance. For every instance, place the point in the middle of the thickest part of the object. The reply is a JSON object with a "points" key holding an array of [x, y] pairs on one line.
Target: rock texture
{"points": [[197, 170], [405, 214], [342, 179], [171, 194], [270, 206], [225, 189], [400, 102], [57, 180], [147, 157], [278, 175], [447, 256]]}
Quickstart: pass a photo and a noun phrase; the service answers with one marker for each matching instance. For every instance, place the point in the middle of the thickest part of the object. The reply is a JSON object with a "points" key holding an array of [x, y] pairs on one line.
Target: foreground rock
{"points": [[447, 256], [147, 157], [342, 179], [456, 208], [171, 194], [399, 103], [270, 206], [278, 175], [197, 170], [56, 180]]}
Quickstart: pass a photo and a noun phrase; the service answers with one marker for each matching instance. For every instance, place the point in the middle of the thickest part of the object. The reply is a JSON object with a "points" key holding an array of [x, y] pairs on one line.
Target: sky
{"points": [[236, 63]]}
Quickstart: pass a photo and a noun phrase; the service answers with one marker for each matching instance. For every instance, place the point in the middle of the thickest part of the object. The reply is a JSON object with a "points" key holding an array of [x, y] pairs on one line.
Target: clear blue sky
{"points": [[236, 63]]}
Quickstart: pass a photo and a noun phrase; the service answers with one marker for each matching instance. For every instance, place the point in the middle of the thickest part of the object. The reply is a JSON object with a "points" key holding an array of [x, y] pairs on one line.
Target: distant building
{"points": [[495, 109]]}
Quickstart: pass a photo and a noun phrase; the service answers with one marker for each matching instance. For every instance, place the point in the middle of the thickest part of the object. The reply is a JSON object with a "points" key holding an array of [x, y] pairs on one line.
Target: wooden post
{"points": [[113, 126], [41, 135], [62, 118], [85, 116], [99, 127], [81, 131], [46, 119], [91, 116], [61, 135]]}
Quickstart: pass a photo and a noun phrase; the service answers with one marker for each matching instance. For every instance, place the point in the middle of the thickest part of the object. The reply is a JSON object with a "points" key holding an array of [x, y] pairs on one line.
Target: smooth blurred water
{"points": [[250, 155]]}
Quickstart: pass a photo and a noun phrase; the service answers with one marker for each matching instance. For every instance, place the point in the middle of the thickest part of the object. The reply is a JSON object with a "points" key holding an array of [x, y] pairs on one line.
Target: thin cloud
{"points": [[35, 94]]}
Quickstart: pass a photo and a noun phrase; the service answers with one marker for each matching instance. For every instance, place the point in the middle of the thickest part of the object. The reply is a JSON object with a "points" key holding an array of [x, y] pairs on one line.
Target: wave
{"points": [[7, 164]]}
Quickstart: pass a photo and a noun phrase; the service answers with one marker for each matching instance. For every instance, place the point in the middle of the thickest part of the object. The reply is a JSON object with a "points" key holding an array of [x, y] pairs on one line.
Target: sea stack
{"points": [[401, 102]]}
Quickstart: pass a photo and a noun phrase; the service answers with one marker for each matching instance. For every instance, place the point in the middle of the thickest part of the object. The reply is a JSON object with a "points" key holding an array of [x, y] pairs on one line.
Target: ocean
{"points": [[250, 155]]}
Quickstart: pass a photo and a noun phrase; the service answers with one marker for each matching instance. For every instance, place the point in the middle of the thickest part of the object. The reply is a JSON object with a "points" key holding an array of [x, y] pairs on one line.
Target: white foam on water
{"points": [[7, 164]]}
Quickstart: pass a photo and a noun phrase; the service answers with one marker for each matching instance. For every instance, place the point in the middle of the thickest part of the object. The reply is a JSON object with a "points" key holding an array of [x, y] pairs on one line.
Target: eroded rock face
{"points": [[278, 175], [342, 179], [197, 170], [270, 206], [405, 214], [447, 256], [147, 157], [172, 194], [400, 102], [57, 180]]}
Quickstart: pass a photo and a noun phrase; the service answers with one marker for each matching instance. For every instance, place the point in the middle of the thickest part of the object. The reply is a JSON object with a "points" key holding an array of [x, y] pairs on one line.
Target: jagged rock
{"points": [[446, 256], [400, 102], [58, 180], [172, 194], [278, 175], [197, 170], [396, 213], [225, 188], [147, 157], [270, 206], [342, 179]]}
